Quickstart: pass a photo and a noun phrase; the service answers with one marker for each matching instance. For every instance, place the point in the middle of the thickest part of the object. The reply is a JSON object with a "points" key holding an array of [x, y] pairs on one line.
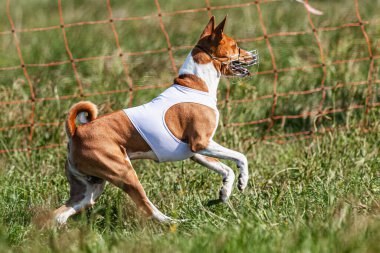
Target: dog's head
{"points": [[228, 58]]}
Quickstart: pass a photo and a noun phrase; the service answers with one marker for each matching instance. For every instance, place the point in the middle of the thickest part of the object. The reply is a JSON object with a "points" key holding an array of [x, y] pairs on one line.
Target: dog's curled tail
{"points": [[84, 112]]}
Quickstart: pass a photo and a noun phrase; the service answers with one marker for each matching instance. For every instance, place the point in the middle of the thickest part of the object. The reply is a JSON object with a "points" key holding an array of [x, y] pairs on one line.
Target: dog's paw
{"points": [[243, 176], [242, 182], [223, 195], [166, 219], [162, 218], [228, 183], [60, 220], [225, 191], [214, 202]]}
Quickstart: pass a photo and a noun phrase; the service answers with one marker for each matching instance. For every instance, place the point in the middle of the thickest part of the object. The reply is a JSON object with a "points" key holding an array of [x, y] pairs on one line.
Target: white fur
{"points": [[92, 192], [82, 118], [143, 155], [61, 218], [207, 72], [218, 151], [222, 169], [159, 216]]}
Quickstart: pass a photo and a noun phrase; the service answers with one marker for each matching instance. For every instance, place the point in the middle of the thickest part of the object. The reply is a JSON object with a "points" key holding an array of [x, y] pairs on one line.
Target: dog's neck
{"points": [[206, 72]]}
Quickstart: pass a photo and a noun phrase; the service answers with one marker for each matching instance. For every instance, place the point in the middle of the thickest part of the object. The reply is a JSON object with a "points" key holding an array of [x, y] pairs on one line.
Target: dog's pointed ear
{"points": [[218, 32], [209, 28]]}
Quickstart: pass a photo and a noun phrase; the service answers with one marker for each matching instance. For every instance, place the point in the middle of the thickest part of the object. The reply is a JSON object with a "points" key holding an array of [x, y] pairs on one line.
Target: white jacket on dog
{"points": [[149, 120]]}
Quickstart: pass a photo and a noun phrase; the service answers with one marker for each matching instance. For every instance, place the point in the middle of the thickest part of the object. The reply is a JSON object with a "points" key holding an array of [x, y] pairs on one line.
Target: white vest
{"points": [[149, 120]]}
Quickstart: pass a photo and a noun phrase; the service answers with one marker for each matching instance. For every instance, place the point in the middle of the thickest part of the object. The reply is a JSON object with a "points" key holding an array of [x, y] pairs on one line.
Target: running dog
{"points": [[177, 125]]}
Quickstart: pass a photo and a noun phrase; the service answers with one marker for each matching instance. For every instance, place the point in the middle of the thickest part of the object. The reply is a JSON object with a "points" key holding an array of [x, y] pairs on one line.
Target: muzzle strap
{"points": [[208, 53]]}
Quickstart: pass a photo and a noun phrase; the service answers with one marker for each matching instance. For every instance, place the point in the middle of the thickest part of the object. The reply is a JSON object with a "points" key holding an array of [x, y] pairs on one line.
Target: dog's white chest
{"points": [[206, 72]]}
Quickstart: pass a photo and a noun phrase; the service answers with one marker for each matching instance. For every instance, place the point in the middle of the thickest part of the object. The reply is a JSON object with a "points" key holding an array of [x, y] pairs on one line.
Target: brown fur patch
{"points": [[209, 27], [192, 123], [211, 159], [200, 56], [113, 129], [191, 81]]}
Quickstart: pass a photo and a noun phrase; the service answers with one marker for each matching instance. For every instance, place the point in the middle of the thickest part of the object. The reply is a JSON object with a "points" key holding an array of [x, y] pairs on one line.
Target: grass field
{"points": [[315, 195]]}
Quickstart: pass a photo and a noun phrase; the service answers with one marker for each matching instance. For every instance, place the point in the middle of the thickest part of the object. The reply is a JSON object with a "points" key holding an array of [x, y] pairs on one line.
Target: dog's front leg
{"points": [[215, 150], [226, 172]]}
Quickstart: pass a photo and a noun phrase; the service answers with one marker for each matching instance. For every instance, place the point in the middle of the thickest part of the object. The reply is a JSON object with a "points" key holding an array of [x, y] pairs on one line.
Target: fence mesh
{"points": [[297, 65]]}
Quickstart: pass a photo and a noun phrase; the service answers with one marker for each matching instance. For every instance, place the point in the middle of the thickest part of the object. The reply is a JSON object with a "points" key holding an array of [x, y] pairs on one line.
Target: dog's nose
{"points": [[249, 56]]}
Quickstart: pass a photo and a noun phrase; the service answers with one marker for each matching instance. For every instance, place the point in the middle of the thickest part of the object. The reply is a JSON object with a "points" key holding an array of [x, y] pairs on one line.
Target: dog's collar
{"points": [[214, 57]]}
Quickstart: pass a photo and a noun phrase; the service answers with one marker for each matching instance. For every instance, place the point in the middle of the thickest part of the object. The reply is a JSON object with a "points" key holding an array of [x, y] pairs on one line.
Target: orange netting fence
{"points": [[366, 106]]}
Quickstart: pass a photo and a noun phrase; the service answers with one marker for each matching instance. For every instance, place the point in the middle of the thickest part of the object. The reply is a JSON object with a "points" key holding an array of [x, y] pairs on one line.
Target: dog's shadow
{"points": [[214, 202]]}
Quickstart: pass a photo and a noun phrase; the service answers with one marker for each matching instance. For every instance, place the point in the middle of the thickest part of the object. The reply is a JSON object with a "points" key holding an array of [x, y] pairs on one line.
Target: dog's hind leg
{"points": [[132, 186], [84, 191], [215, 150], [226, 172], [115, 167]]}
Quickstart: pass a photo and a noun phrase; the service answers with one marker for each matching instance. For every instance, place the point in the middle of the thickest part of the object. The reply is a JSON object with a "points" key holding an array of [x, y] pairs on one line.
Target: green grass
{"points": [[320, 195]]}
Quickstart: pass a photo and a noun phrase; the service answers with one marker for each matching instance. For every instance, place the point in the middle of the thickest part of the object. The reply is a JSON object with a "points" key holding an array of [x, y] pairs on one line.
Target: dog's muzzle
{"points": [[240, 65]]}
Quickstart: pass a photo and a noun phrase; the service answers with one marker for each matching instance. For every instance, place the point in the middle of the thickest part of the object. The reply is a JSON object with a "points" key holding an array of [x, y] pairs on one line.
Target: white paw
{"points": [[165, 219], [159, 216], [223, 194], [243, 176], [226, 190], [60, 219], [242, 182]]}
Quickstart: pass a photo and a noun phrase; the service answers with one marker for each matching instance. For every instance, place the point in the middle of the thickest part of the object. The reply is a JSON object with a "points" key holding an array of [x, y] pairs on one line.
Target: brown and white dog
{"points": [[101, 149]]}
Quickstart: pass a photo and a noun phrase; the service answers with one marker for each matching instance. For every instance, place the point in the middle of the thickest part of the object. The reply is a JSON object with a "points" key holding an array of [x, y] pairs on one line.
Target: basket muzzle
{"points": [[239, 66], [238, 63]]}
